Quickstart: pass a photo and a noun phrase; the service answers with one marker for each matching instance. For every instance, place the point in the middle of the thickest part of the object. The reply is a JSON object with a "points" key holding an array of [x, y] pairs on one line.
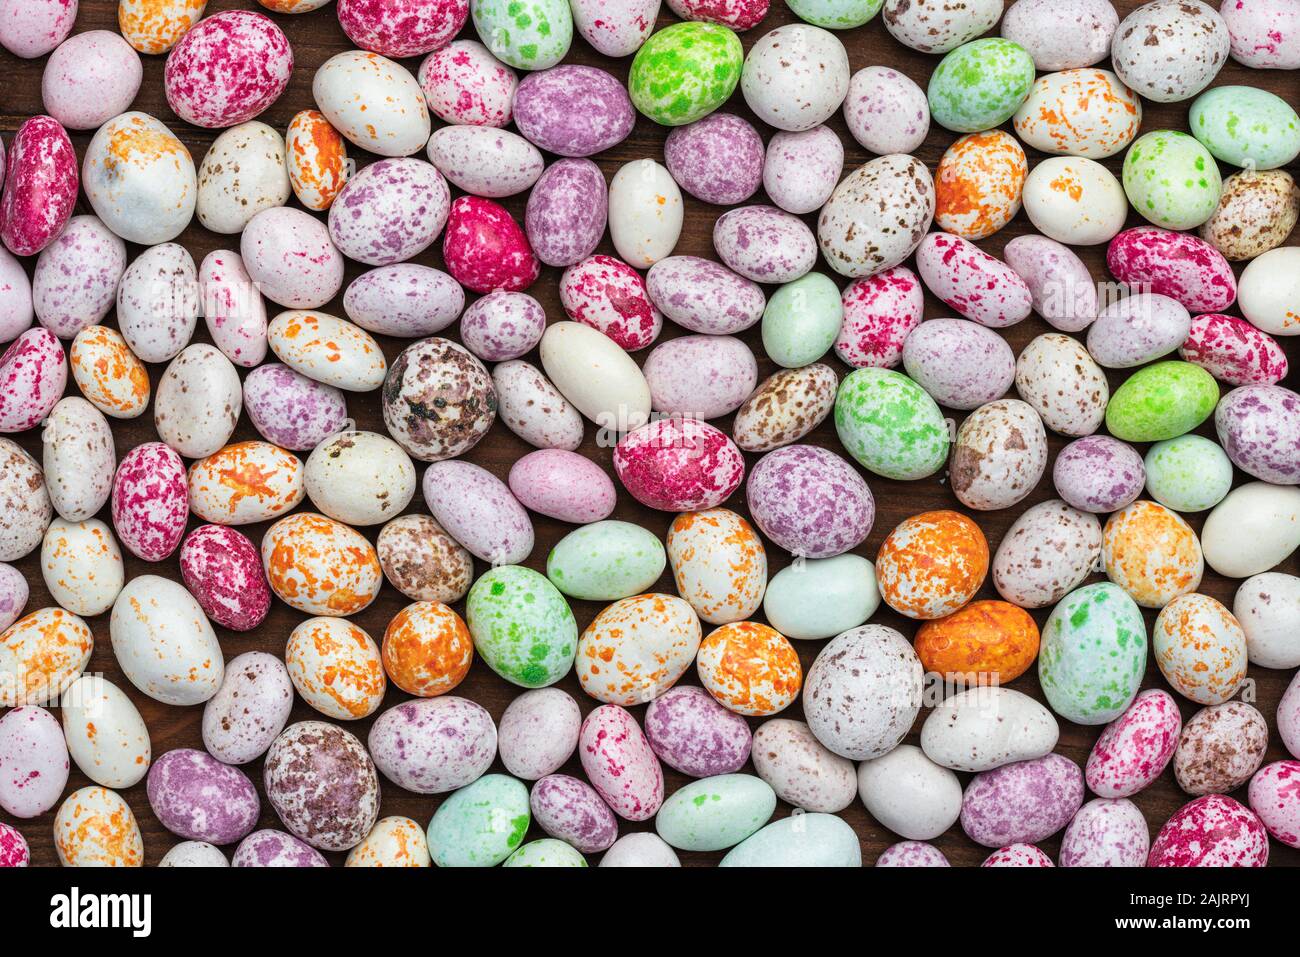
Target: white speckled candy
{"points": [[291, 257]]}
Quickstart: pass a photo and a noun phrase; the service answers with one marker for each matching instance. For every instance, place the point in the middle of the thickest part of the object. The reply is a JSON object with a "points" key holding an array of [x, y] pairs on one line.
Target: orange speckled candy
{"points": [[41, 655], [1200, 648], [984, 638], [1085, 112], [336, 668], [427, 649], [94, 827], [108, 373], [317, 159], [155, 26], [320, 566], [718, 563], [978, 184], [246, 482], [932, 564], [1151, 553], [750, 668], [637, 648]]}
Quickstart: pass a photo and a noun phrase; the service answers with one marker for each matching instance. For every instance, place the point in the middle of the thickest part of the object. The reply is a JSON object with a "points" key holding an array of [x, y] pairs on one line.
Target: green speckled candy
{"points": [[835, 14], [890, 425], [528, 34], [802, 320], [715, 813], [1246, 126], [547, 852], [1162, 401], [522, 626], [1093, 654], [1172, 180], [481, 824], [606, 561], [980, 85], [1188, 474], [685, 72], [802, 840]]}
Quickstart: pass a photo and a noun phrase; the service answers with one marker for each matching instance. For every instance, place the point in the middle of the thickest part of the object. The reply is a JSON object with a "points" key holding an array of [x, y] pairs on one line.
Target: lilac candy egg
{"points": [[390, 211], [618, 761], [222, 569], [701, 377], [276, 849], [434, 745], [572, 811], [573, 110], [810, 501], [1234, 351], [693, 734], [40, 186], [479, 511], [290, 410], [880, 312], [291, 257], [886, 111], [227, 69], [1099, 474], [912, 854], [484, 161], [567, 212], [250, 708], [33, 761], [1259, 428], [1025, 802], [90, 79], [150, 501], [322, 784], [563, 485], [16, 310], [1060, 285], [464, 83], [1136, 330], [1106, 833], [401, 30], [404, 299], [679, 465], [13, 595], [979, 287], [802, 169], [961, 364], [32, 28], [718, 159], [503, 325], [765, 244], [233, 308], [197, 797], [1177, 265], [538, 732], [1275, 798], [1212, 831], [703, 296], [33, 373], [1134, 749]]}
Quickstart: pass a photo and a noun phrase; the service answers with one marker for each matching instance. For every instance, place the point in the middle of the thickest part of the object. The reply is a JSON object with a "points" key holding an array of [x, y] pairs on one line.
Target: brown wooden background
{"points": [[317, 36]]}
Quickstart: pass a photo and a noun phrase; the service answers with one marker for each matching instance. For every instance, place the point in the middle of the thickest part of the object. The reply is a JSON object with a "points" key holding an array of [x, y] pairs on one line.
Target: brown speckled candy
{"points": [[422, 561], [877, 216], [785, 407], [1049, 551], [1220, 748], [249, 709], [438, 400], [533, 409], [999, 455], [322, 784], [25, 509], [1257, 211]]}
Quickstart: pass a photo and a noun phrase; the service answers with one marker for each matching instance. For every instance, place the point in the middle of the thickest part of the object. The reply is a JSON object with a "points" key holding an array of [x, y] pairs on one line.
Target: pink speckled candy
{"points": [[619, 763], [703, 296], [291, 257], [32, 28], [1136, 747], [223, 571], [563, 485], [227, 69], [1275, 798], [573, 110], [150, 502], [33, 761], [90, 79], [718, 159], [701, 377], [485, 249], [270, 848], [13, 848], [75, 284], [1212, 831], [434, 745], [502, 325], [1265, 33], [33, 374], [979, 287], [679, 465], [1062, 288], [390, 211], [290, 410], [810, 501], [610, 296], [961, 364], [1176, 265], [233, 309], [1018, 855], [886, 111], [572, 810], [880, 312], [695, 735], [1099, 474], [539, 732], [912, 854], [397, 30], [1234, 351], [616, 28], [737, 14], [15, 297], [1106, 833], [40, 186], [464, 83], [1023, 802], [567, 211]]}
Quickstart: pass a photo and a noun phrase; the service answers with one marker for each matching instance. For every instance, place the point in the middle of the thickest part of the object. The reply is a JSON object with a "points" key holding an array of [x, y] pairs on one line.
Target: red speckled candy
{"points": [[40, 186], [1234, 351], [223, 571], [880, 312], [32, 376], [610, 296], [227, 69], [402, 28], [150, 501], [485, 249], [679, 465], [737, 14], [1212, 831], [464, 83], [1176, 265], [619, 763], [1135, 747], [13, 849]]}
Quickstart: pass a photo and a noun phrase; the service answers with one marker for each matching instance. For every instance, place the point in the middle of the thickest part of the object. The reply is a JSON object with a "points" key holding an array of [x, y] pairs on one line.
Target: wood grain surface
{"points": [[315, 37]]}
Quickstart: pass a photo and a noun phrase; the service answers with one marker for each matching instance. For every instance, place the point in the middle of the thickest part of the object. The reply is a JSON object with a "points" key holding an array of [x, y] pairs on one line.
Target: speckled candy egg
{"points": [[715, 813], [1268, 289], [801, 169], [422, 561], [361, 478], [90, 79], [242, 173], [81, 565], [980, 85], [1212, 831], [978, 184], [1234, 351], [702, 377], [1062, 36], [154, 26], [1079, 113], [327, 349], [1268, 608], [750, 668], [567, 210], [820, 598], [1170, 50], [886, 112], [32, 28], [33, 762], [249, 710], [1061, 287], [375, 103], [685, 71], [290, 255], [1172, 265], [336, 668], [94, 827], [717, 159], [164, 643], [464, 83], [270, 848], [1098, 474], [645, 212], [972, 282], [800, 769], [150, 503], [26, 502], [637, 648], [983, 638], [718, 564], [1265, 33], [1171, 179], [435, 745], [534, 409], [392, 842], [1022, 803], [404, 299], [1056, 376], [140, 179], [198, 402], [1161, 401], [764, 244], [1106, 833], [485, 249], [320, 566], [1246, 126], [13, 595], [738, 14], [427, 648], [479, 511], [317, 159], [999, 455], [610, 296], [785, 407], [234, 311], [522, 626], [390, 211], [912, 854], [795, 77], [1075, 201], [915, 442], [606, 561], [810, 501], [538, 732], [1200, 648], [1220, 748], [532, 35], [1256, 213], [933, 26], [693, 734], [880, 312], [158, 302], [678, 465], [223, 571], [573, 111], [703, 296], [198, 798], [1188, 474], [484, 161], [571, 810], [987, 727], [562, 485], [55, 646], [1273, 799], [961, 365], [75, 283], [481, 824], [33, 372], [322, 784], [106, 736], [877, 216], [618, 28], [1152, 554], [620, 764], [1134, 749], [40, 186], [1094, 653], [227, 69], [1259, 428], [411, 29], [931, 564]]}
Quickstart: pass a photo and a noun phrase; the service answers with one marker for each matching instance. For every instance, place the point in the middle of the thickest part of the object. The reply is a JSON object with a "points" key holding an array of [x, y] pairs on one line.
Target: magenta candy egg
{"points": [[223, 571], [1180, 266], [610, 296], [1134, 749], [1275, 799], [574, 812], [32, 376], [270, 848], [196, 796], [620, 764], [150, 501], [90, 79], [227, 69], [912, 854], [32, 28], [737, 14], [40, 186], [14, 851], [399, 30], [464, 83], [485, 249], [679, 465], [1212, 831], [880, 312], [810, 501], [1018, 855], [562, 485], [502, 325], [1234, 351]]}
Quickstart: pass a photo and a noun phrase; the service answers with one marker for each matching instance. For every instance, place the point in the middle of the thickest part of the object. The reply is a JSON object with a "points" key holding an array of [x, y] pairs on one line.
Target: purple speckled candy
{"points": [[960, 363], [1212, 831], [15, 297], [434, 745], [270, 848], [250, 708], [223, 571], [33, 374], [810, 501], [398, 30], [802, 169], [13, 595], [484, 161], [404, 299], [703, 377], [1137, 329], [539, 732], [1018, 855], [1178, 265], [322, 784], [150, 502], [1023, 802], [1106, 833], [1099, 474], [679, 465], [703, 296], [502, 325], [563, 485], [479, 511], [573, 110], [40, 186], [572, 811], [567, 211], [227, 69], [390, 211], [693, 734], [1275, 798], [197, 797], [718, 159], [75, 283], [610, 296], [33, 761], [619, 763], [14, 851], [765, 244], [485, 249], [886, 112], [1234, 351], [32, 28], [290, 410], [1259, 428], [912, 854], [1061, 287]]}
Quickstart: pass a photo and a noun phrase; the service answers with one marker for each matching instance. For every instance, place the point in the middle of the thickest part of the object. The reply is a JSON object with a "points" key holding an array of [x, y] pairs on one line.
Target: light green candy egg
{"points": [[528, 34], [606, 561], [822, 597], [522, 626], [547, 852], [1172, 180], [1161, 401], [835, 14], [890, 424], [1246, 127], [685, 72], [802, 320], [481, 824], [1093, 654], [715, 813], [980, 85], [1188, 474], [801, 840]]}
